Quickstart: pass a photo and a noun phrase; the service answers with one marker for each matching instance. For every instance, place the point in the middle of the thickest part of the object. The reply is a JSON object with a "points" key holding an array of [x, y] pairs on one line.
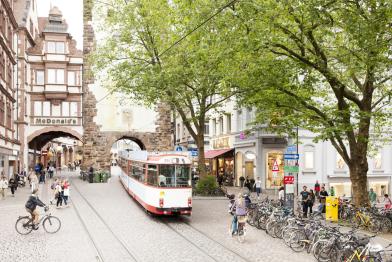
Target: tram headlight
{"points": [[189, 201], [161, 202]]}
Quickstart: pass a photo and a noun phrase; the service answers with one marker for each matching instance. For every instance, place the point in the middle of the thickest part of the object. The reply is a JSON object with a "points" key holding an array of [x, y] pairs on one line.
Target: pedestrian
{"points": [[242, 180], [317, 189], [13, 184], [65, 192], [59, 194], [387, 202], [257, 186], [220, 180], [281, 195], [372, 197], [247, 184], [240, 212], [323, 199], [305, 198], [312, 200], [33, 181], [332, 191], [3, 186]]}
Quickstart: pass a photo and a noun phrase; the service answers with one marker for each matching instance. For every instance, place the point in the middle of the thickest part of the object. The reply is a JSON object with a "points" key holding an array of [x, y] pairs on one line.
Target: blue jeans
{"points": [[234, 224]]}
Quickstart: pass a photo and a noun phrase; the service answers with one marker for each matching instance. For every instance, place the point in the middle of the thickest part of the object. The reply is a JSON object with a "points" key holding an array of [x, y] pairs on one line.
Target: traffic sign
{"points": [[275, 167], [291, 169], [288, 180], [291, 156], [194, 153], [291, 149], [178, 148]]}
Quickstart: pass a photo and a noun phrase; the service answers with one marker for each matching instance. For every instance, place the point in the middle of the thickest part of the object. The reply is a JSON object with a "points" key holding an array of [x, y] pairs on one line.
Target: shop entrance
{"points": [[275, 169]]}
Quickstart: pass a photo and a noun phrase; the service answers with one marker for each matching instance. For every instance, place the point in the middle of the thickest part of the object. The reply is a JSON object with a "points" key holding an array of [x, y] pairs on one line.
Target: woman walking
{"points": [[312, 200], [66, 192], [59, 195], [13, 184]]}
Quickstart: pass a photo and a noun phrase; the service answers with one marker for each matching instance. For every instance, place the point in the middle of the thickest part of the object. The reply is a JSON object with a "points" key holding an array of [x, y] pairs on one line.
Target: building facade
{"points": [[9, 137], [54, 101]]}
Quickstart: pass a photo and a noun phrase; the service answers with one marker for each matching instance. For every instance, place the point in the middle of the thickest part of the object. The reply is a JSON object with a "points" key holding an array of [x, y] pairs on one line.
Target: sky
{"points": [[72, 12]]}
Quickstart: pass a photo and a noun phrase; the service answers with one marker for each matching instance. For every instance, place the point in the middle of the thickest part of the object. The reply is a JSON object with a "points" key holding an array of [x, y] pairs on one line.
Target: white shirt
{"points": [[281, 195], [3, 184], [258, 184]]}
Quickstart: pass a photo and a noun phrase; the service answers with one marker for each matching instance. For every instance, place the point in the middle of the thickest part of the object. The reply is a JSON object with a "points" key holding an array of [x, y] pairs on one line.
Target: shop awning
{"points": [[215, 153]]}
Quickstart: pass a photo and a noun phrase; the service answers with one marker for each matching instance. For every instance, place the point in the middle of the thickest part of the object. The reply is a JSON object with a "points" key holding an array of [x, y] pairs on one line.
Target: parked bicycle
{"points": [[24, 224]]}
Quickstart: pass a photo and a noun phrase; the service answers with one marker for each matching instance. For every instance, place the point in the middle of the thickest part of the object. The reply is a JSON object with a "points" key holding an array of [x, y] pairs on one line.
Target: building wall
{"points": [[9, 137]]}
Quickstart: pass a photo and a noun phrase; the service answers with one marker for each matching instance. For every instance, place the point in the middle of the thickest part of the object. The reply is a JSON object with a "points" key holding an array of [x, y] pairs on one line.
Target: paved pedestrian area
{"points": [[104, 224]]}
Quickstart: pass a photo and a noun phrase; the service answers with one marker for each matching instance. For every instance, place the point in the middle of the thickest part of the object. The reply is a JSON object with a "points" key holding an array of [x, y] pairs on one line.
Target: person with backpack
{"points": [[13, 184], [31, 207]]}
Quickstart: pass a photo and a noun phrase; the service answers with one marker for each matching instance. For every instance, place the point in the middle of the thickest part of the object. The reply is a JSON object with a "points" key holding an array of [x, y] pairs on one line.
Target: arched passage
{"points": [[54, 145]]}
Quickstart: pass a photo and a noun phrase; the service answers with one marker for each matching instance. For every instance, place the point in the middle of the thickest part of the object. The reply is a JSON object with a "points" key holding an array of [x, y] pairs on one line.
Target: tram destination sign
{"points": [[291, 156]]}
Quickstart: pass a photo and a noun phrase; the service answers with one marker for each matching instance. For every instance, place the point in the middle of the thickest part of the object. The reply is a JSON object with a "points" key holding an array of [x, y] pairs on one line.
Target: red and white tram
{"points": [[160, 182]]}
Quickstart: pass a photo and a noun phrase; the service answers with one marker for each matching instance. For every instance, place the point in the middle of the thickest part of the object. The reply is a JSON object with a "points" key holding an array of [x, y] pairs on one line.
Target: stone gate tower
{"points": [[97, 143]]}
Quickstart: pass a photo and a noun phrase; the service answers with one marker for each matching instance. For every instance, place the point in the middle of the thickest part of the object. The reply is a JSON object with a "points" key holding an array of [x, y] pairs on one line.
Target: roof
{"points": [[214, 153]]}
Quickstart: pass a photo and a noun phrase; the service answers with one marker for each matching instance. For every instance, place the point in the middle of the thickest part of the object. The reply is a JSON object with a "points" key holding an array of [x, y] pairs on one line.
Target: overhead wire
{"points": [[178, 41]]}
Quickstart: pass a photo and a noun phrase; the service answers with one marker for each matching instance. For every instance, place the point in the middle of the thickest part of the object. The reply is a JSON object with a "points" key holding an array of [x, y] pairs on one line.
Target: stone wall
{"points": [[97, 144]]}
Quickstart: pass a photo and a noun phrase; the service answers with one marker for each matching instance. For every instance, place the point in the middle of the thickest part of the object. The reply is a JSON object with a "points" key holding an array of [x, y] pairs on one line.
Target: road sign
{"points": [[275, 167], [288, 180], [194, 153], [291, 169], [291, 149], [291, 156], [178, 148]]}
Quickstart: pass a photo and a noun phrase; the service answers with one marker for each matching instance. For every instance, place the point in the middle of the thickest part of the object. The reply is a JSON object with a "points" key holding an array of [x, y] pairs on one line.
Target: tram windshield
{"points": [[173, 176]]}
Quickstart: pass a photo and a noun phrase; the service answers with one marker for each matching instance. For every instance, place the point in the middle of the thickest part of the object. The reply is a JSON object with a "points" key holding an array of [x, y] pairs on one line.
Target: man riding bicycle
{"points": [[31, 207]]}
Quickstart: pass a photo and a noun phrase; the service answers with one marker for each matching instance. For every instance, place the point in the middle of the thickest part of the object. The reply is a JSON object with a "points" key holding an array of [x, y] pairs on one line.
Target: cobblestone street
{"points": [[96, 228]]}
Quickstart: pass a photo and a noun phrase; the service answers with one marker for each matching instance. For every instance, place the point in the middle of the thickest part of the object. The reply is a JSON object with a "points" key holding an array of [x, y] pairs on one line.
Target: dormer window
{"points": [[55, 47]]}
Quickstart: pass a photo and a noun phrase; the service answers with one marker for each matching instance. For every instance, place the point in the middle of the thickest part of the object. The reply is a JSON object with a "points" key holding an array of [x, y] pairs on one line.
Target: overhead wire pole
{"points": [[221, 9]]}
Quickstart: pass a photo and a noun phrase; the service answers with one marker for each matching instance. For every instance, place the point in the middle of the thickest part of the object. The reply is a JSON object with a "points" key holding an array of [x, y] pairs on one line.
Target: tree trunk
{"points": [[358, 176], [201, 156]]}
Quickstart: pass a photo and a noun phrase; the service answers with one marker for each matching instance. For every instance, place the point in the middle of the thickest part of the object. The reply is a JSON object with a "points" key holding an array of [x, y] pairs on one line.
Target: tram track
{"points": [[238, 256], [100, 257]]}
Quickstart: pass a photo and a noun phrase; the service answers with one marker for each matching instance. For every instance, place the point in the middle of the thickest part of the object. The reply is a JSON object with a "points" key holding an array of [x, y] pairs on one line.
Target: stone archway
{"points": [[48, 133]]}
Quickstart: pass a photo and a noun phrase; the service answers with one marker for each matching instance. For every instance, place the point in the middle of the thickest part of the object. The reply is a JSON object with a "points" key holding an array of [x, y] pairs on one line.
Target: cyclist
{"points": [[240, 213], [31, 207]]}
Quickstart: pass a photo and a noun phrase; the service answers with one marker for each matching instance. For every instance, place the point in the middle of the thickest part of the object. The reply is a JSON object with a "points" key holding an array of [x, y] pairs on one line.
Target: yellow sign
{"points": [[331, 209]]}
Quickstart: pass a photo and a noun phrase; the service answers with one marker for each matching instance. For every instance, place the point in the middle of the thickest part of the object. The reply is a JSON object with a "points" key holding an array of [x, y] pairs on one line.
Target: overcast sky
{"points": [[72, 12]]}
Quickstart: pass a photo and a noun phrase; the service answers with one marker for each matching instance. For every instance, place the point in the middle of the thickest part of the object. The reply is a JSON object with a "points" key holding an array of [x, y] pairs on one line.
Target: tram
{"points": [[160, 182]]}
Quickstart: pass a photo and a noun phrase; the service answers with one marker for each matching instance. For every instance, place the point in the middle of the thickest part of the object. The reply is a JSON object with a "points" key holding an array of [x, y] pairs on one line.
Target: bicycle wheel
{"points": [[386, 225], [278, 230], [298, 241], [269, 228], [374, 226], [241, 234], [51, 224], [24, 225]]}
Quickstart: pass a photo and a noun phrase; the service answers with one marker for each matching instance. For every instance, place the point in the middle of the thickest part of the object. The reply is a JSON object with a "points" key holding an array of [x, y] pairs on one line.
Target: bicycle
{"points": [[241, 228], [24, 224]]}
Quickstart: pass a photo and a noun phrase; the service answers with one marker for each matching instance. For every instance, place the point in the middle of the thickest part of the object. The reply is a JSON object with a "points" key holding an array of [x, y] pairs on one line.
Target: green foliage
{"points": [[101, 176], [206, 185]]}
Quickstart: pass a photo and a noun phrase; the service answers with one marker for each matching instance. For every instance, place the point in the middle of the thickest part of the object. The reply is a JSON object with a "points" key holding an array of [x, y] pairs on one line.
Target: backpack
{"points": [[37, 168]]}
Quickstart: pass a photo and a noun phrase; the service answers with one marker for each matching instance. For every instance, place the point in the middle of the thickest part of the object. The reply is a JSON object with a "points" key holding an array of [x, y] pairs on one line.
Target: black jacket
{"points": [[33, 202]]}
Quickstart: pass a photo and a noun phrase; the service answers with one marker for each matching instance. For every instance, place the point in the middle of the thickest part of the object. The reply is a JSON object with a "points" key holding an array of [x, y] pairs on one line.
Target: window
{"points": [[71, 78], [74, 108], [239, 121], [221, 125], [56, 110], [152, 175], [46, 108], [56, 76], [340, 164], [37, 108], [228, 123], [377, 161], [9, 74], [309, 157], [40, 77], [206, 129], [9, 115], [2, 112], [2, 66], [65, 108], [213, 127], [137, 171], [55, 47]]}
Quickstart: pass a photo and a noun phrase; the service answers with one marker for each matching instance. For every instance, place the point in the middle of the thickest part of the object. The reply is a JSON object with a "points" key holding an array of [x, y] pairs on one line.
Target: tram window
{"points": [[138, 172], [167, 176], [152, 175], [182, 176]]}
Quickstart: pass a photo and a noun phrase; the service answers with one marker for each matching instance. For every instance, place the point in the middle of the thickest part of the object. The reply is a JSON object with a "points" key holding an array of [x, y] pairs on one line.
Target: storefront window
{"points": [[309, 157], [339, 162], [378, 161], [274, 162], [342, 189], [381, 188]]}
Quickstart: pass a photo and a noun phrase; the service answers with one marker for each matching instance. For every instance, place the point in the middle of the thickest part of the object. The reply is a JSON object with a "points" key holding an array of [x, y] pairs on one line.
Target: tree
{"points": [[324, 65], [147, 57]]}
